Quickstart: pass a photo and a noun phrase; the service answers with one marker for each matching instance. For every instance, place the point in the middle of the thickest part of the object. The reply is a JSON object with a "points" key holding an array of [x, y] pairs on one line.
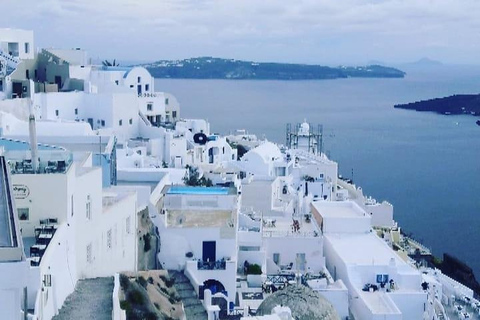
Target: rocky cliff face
{"points": [[459, 271]]}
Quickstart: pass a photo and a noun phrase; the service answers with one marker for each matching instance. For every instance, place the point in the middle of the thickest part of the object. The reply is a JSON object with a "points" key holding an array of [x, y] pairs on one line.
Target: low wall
{"points": [[117, 312]]}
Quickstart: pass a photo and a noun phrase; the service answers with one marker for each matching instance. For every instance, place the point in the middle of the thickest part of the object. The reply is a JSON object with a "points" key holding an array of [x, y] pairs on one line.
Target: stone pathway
{"points": [[92, 299]]}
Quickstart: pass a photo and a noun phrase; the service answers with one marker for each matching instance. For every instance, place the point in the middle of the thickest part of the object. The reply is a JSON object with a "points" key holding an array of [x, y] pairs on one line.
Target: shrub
{"points": [[146, 239], [254, 269], [135, 297], [124, 282], [164, 290], [142, 282], [169, 282], [125, 305]]}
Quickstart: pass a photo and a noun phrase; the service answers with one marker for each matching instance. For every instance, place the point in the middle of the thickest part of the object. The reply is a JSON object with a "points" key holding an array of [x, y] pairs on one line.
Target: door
{"points": [[90, 121], [209, 250], [58, 81], [301, 261], [139, 89]]}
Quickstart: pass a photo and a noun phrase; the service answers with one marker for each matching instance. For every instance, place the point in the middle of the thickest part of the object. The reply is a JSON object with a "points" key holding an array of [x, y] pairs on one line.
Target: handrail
{"points": [[8, 203]]}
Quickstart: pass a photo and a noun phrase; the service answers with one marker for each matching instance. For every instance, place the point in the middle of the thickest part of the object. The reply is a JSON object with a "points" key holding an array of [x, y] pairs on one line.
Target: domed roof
{"points": [[304, 303], [304, 128]]}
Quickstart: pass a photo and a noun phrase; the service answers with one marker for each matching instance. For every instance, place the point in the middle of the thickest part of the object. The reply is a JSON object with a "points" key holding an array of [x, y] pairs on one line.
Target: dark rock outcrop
{"points": [[459, 271], [456, 104]]}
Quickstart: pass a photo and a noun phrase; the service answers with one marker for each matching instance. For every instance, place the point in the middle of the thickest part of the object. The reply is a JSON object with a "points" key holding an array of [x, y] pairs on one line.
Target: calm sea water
{"points": [[426, 165]]}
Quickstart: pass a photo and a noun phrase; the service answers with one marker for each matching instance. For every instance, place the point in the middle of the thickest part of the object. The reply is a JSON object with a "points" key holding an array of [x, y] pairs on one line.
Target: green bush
{"points": [[169, 282], [135, 297], [124, 282], [146, 239], [254, 269], [142, 282], [125, 305]]}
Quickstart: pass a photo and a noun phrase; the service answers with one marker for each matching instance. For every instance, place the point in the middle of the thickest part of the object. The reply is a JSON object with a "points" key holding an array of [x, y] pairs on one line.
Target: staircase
{"points": [[92, 299], [11, 61], [193, 306]]}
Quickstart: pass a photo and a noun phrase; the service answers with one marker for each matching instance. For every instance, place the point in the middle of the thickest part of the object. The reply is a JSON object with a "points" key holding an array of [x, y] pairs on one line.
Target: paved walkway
{"points": [[92, 299]]}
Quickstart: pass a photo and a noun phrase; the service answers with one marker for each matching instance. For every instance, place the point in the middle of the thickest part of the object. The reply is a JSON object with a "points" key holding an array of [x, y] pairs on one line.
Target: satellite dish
{"points": [[200, 138]]}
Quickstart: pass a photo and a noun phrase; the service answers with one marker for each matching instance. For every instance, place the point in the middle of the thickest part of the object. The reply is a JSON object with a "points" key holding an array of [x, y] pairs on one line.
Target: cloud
{"points": [[306, 30]]}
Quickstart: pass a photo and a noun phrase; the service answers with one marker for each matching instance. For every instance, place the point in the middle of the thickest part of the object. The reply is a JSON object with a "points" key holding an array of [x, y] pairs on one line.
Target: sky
{"points": [[328, 32]]}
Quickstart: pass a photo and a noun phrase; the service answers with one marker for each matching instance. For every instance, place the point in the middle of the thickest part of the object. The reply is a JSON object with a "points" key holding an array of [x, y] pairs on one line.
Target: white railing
{"points": [[290, 234]]}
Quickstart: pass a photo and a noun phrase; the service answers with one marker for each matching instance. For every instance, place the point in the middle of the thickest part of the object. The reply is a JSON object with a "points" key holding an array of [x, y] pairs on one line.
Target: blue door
{"points": [[209, 248]]}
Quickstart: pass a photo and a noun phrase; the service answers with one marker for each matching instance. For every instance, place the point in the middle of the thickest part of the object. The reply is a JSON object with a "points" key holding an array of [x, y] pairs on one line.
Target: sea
{"points": [[426, 164]]}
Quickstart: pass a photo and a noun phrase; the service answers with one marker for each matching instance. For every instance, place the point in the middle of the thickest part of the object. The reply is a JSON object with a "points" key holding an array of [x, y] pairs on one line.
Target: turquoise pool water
{"points": [[197, 190]]}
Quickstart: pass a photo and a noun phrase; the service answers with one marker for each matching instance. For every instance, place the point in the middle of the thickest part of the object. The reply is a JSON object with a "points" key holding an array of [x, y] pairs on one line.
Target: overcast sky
{"points": [[306, 31]]}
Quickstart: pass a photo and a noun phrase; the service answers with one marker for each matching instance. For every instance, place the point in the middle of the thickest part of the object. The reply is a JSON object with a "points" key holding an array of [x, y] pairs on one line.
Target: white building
{"points": [[72, 230], [197, 227], [381, 285], [13, 263], [17, 43]]}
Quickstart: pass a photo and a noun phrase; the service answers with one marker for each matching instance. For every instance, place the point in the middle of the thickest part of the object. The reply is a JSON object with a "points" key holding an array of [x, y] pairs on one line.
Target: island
{"points": [[218, 68], [456, 104]]}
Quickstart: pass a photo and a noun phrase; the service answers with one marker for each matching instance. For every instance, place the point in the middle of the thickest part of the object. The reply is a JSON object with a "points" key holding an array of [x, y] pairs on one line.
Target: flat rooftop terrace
{"points": [[337, 209], [379, 303], [284, 227], [363, 249]]}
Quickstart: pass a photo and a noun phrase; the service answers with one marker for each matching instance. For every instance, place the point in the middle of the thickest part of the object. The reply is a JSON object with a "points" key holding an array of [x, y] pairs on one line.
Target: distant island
{"points": [[456, 104], [218, 68]]}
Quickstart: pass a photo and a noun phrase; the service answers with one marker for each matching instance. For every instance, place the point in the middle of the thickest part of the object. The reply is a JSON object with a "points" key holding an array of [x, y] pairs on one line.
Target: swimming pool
{"points": [[197, 190]]}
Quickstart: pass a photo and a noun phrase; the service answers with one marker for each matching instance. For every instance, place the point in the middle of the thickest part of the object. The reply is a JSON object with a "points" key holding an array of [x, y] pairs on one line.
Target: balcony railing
{"points": [[211, 265]]}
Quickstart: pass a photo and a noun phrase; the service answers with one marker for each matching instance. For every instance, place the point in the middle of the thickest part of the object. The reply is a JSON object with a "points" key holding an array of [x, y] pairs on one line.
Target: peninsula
{"points": [[218, 68], [456, 104]]}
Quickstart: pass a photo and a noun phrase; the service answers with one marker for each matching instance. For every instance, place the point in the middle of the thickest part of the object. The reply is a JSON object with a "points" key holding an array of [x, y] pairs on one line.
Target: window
{"points": [[36, 74], [120, 122], [174, 114], [130, 121], [23, 214], [89, 253], [76, 111], [139, 79], [57, 113], [127, 225], [116, 82], [109, 239], [103, 123], [149, 106], [88, 208], [71, 204], [166, 101], [131, 86], [147, 87], [27, 74], [27, 47], [276, 258]]}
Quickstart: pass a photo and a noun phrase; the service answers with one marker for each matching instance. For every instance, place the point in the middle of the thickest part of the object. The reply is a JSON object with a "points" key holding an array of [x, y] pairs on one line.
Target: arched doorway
{"points": [[214, 286]]}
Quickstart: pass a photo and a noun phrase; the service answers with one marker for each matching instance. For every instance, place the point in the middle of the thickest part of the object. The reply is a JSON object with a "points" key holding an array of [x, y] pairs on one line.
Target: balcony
{"points": [[211, 265]]}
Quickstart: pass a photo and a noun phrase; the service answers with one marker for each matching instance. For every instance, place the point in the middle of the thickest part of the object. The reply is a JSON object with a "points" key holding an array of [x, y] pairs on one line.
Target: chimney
{"points": [[33, 139]]}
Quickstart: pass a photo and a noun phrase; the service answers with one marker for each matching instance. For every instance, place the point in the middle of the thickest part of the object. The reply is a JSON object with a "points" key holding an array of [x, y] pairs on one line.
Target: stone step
{"points": [[193, 306]]}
